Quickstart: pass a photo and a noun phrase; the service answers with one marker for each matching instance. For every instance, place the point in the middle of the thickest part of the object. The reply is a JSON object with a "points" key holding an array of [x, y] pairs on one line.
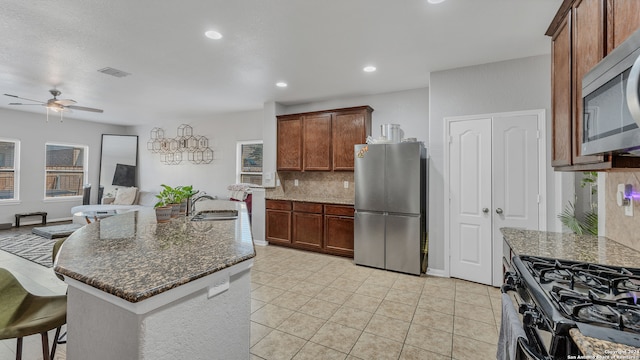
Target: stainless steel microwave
{"points": [[611, 102]]}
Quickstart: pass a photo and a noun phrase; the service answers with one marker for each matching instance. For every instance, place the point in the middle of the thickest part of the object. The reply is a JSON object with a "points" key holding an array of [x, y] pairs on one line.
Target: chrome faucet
{"points": [[195, 200]]}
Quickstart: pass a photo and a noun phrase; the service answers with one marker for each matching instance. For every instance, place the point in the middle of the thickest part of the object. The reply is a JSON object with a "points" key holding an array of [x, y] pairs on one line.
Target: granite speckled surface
{"points": [[133, 257], [569, 246], [588, 248], [303, 198], [601, 349]]}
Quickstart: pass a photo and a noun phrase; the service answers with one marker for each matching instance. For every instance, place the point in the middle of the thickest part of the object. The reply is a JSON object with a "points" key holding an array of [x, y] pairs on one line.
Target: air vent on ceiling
{"points": [[114, 72]]}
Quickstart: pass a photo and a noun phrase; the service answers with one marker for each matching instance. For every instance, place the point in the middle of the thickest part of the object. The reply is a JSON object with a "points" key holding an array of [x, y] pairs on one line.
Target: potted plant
{"points": [[163, 211], [184, 194], [169, 197]]}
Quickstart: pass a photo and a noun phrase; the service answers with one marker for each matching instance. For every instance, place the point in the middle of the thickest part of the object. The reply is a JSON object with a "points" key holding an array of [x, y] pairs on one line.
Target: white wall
{"points": [[520, 84], [33, 132], [409, 108], [222, 130]]}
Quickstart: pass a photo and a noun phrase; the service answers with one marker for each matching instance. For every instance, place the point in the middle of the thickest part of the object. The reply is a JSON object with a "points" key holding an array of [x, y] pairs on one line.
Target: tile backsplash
{"points": [[621, 228], [315, 184]]}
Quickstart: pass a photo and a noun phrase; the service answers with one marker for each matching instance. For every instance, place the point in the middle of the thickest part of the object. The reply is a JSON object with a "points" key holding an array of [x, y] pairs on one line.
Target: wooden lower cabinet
{"points": [[325, 228], [338, 235], [307, 230], [278, 221]]}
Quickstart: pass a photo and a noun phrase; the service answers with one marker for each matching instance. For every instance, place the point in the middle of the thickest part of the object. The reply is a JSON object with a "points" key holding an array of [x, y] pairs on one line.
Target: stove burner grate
{"points": [[590, 308]]}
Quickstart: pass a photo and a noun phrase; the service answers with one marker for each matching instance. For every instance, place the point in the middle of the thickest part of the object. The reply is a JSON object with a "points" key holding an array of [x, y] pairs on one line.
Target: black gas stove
{"points": [[557, 295]]}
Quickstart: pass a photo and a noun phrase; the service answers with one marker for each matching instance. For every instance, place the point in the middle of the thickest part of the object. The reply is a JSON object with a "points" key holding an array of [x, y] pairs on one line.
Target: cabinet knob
{"points": [[485, 210], [499, 211]]}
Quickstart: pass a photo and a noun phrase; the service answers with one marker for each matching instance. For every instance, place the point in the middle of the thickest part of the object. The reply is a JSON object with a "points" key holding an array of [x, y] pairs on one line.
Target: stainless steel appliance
{"points": [[611, 102], [558, 297], [390, 203]]}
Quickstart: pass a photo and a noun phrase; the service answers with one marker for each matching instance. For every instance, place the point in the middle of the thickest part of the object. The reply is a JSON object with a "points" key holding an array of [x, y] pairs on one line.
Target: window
{"points": [[9, 169], [250, 162], [65, 170]]}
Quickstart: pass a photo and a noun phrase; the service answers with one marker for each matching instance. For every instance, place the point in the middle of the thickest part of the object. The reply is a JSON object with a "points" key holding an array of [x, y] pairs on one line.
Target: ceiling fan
{"points": [[55, 104]]}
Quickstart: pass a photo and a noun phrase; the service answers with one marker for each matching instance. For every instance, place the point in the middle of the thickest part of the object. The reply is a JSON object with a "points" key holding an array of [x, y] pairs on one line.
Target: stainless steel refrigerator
{"points": [[390, 203]]}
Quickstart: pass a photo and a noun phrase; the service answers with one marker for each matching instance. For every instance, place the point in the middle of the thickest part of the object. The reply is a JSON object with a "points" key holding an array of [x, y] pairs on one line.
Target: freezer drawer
{"points": [[402, 246], [368, 241]]}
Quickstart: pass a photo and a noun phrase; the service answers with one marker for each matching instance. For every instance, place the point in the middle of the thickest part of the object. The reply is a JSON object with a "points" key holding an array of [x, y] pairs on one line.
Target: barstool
{"points": [[23, 314]]}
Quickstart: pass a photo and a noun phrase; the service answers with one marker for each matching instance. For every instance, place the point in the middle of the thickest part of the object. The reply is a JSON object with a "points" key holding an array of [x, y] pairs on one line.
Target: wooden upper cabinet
{"points": [[349, 128], [623, 18], [323, 140], [289, 146], [588, 49], [561, 119], [317, 142]]}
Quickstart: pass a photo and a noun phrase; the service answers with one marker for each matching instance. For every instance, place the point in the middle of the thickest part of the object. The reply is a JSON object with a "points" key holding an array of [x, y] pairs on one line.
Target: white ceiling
{"points": [[318, 47]]}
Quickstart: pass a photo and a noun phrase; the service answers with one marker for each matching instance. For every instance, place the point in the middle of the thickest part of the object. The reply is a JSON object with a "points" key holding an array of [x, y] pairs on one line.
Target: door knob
{"points": [[499, 211], [485, 210]]}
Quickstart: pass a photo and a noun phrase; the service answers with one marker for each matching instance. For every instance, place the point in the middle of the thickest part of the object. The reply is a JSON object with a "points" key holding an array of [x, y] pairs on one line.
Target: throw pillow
{"points": [[125, 196]]}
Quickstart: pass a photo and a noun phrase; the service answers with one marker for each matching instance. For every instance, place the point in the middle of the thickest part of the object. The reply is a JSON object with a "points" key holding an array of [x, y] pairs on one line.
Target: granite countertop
{"points": [[587, 248], [594, 348], [303, 198], [133, 257], [569, 246]]}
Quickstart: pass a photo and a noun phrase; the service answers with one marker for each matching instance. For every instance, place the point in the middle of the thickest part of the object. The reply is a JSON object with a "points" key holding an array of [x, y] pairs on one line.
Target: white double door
{"points": [[494, 182]]}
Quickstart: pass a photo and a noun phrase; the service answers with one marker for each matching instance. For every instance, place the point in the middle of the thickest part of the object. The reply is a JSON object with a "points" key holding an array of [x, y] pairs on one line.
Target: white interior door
{"points": [[470, 199], [494, 182], [515, 177]]}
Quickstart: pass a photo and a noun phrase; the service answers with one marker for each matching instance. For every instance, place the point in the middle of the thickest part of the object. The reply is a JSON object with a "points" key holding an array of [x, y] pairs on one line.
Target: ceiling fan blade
{"points": [[65, 102], [18, 97], [82, 108], [24, 104]]}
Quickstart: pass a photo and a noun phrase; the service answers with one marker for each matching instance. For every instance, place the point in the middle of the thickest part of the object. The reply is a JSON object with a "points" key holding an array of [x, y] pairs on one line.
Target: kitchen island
{"points": [[569, 246], [143, 290]]}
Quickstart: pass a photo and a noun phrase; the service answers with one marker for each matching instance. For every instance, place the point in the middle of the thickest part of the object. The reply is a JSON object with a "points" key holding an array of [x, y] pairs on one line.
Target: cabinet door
{"points": [[623, 18], [561, 94], [289, 143], [307, 230], [349, 128], [338, 235], [317, 142], [278, 223], [588, 49]]}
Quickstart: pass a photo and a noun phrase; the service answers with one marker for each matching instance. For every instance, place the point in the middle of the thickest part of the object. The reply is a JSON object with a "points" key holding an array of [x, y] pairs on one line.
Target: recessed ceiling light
{"points": [[212, 34], [281, 84], [369, 68], [435, 1]]}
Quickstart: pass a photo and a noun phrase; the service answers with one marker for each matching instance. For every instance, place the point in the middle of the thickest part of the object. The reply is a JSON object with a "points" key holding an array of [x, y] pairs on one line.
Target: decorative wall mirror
{"points": [[118, 162]]}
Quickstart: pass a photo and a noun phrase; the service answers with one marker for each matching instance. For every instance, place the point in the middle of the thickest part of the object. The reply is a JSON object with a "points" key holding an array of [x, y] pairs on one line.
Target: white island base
{"points": [[208, 318]]}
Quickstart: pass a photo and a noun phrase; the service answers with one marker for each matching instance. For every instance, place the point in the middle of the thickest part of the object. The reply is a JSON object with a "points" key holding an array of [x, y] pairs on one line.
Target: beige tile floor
{"points": [[312, 306]]}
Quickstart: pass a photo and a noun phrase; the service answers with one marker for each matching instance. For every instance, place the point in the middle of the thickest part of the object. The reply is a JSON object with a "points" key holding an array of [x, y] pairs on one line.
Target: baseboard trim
{"points": [[260, 242], [437, 272]]}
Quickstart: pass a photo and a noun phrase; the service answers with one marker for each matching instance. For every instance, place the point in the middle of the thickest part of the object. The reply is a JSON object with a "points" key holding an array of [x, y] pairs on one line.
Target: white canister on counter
{"points": [[391, 132]]}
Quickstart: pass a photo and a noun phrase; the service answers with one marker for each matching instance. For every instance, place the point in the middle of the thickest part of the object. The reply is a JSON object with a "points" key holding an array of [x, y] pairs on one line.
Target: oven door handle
{"points": [[507, 287], [528, 352]]}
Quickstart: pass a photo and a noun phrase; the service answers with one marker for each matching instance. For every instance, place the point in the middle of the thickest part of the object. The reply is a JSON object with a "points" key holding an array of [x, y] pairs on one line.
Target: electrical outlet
{"points": [[295, 182], [346, 184], [628, 210]]}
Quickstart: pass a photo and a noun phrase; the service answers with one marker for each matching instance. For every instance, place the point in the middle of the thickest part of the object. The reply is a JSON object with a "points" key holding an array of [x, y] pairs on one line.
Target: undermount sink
{"points": [[212, 215]]}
